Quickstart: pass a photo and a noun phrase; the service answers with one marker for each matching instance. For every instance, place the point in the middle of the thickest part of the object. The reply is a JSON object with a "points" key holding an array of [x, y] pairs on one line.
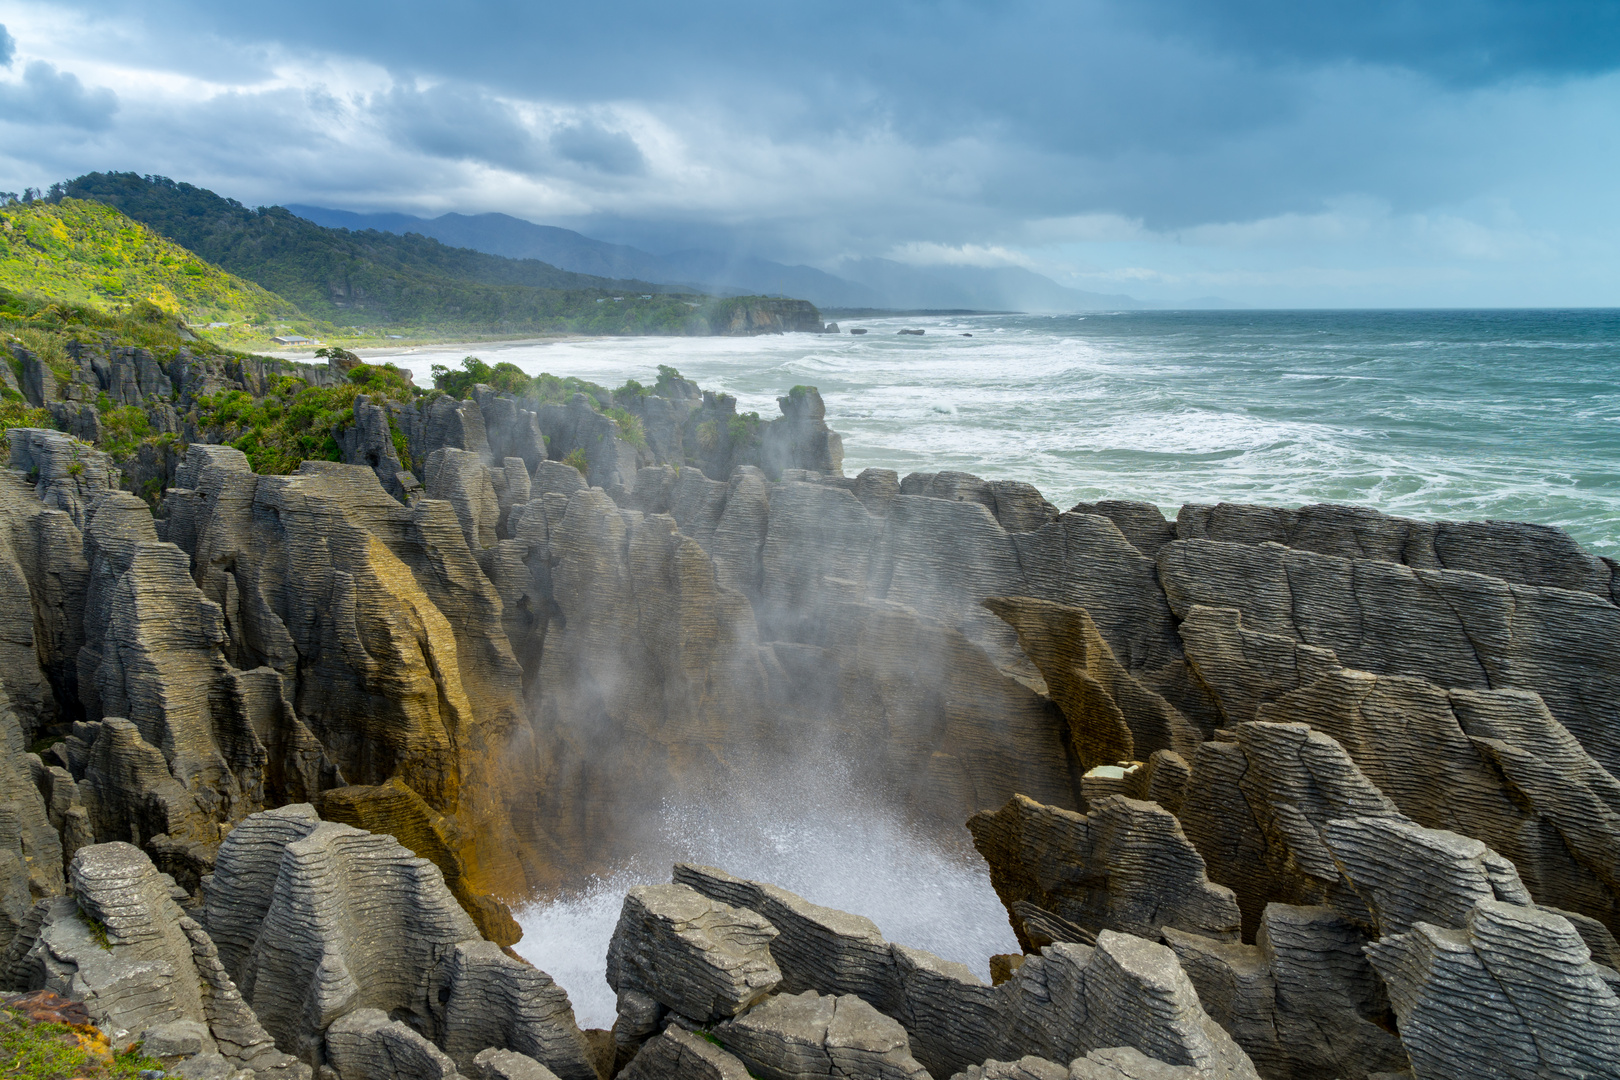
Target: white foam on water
{"points": [[1434, 415], [811, 833]]}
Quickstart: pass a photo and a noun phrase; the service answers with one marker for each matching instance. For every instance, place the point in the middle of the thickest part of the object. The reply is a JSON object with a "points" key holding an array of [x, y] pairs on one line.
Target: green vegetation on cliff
{"points": [[48, 328], [91, 255], [34, 1050], [293, 423], [297, 422], [376, 279]]}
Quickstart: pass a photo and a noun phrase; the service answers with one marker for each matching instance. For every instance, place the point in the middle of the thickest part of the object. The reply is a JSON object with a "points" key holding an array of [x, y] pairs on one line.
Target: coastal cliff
{"points": [[1265, 792]]}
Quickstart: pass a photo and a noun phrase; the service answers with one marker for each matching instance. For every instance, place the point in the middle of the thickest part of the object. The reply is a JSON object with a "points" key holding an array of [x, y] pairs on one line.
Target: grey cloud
{"points": [[8, 47], [588, 143], [460, 123], [47, 96]]}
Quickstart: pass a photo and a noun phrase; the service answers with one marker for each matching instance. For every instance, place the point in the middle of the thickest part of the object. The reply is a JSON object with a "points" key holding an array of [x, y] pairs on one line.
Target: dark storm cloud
{"points": [[47, 96], [807, 132], [1140, 97], [461, 123], [588, 143]]}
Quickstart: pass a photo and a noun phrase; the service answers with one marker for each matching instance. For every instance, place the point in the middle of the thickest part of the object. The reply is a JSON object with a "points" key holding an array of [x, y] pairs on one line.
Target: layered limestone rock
{"points": [[1302, 1001], [317, 920], [1453, 628], [1491, 764], [677, 1054], [138, 962], [30, 844], [1514, 551], [43, 577], [650, 671], [393, 808], [1071, 999], [389, 643], [1509, 992], [800, 1036], [66, 474], [1368, 729], [1124, 866], [698, 957], [366, 1045], [180, 743], [1112, 717]]}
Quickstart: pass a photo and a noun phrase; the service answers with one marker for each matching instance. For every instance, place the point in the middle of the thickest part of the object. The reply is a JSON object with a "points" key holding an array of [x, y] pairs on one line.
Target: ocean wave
{"points": [[1439, 414]]}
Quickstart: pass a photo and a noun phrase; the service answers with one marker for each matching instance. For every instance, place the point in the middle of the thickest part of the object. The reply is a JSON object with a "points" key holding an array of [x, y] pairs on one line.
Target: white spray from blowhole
{"points": [[812, 832]]}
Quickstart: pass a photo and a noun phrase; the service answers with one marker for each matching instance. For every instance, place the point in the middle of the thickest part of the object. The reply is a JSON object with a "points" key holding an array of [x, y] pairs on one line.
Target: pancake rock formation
{"points": [[1268, 792]]}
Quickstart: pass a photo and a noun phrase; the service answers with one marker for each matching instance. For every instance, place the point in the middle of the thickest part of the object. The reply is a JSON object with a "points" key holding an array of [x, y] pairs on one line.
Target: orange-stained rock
{"points": [[393, 808], [1112, 717]]}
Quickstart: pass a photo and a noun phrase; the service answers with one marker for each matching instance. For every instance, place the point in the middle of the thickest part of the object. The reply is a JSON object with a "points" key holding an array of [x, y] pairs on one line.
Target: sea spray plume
{"points": [[813, 829]]}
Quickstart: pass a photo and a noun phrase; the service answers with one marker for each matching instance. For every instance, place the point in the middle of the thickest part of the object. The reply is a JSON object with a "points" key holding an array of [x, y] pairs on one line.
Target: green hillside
{"points": [[88, 253], [379, 280]]}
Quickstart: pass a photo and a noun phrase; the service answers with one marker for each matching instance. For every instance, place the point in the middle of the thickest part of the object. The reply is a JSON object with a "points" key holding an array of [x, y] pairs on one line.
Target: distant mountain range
{"points": [[859, 283]]}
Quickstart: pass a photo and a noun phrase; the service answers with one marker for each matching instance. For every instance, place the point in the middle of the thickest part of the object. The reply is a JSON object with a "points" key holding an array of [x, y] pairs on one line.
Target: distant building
{"points": [[293, 339]]}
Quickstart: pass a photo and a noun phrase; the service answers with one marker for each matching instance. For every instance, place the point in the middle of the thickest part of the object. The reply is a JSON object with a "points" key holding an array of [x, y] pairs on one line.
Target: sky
{"points": [[1399, 153]]}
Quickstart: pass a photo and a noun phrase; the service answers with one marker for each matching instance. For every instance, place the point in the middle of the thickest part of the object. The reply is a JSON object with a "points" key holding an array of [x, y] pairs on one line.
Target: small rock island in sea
{"points": [[1279, 793]]}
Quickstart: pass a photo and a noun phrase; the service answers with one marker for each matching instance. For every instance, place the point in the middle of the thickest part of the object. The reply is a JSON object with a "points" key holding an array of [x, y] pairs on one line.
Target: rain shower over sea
{"points": [[1444, 414]]}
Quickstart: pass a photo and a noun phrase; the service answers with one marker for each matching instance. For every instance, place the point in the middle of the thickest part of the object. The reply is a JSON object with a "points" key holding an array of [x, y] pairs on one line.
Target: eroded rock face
{"points": [[1125, 866], [389, 642], [1551, 1011], [366, 1045], [30, 844], [1112, 716], [680, 1055], [318, 919], [1071, 999], [1514, 551], [1453, 628], [1303, 1001], [138, 962], [1354, 728]]}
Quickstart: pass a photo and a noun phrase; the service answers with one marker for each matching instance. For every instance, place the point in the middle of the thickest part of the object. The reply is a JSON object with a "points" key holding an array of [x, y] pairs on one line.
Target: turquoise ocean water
{"points": [[1433, 414]]}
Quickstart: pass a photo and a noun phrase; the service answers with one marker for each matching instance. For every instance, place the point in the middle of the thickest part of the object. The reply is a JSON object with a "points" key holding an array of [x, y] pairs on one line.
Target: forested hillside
{"points": [[379, 280], [84, 252]]}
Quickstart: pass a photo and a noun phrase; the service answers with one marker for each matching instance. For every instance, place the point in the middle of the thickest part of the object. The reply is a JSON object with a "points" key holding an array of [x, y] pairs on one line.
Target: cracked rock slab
{"points": [[699, 957]]}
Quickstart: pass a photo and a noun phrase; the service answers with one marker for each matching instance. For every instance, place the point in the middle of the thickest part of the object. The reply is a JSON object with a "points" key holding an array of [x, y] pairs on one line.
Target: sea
{"points": [[1457, 415], [1460, 415]]}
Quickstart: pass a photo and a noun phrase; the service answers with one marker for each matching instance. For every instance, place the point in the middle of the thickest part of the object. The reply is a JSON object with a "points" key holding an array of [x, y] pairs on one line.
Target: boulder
{"points": [[703, 959], [800, 1036], [366, 1045], [493, 1064], [1069, 1000]]}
